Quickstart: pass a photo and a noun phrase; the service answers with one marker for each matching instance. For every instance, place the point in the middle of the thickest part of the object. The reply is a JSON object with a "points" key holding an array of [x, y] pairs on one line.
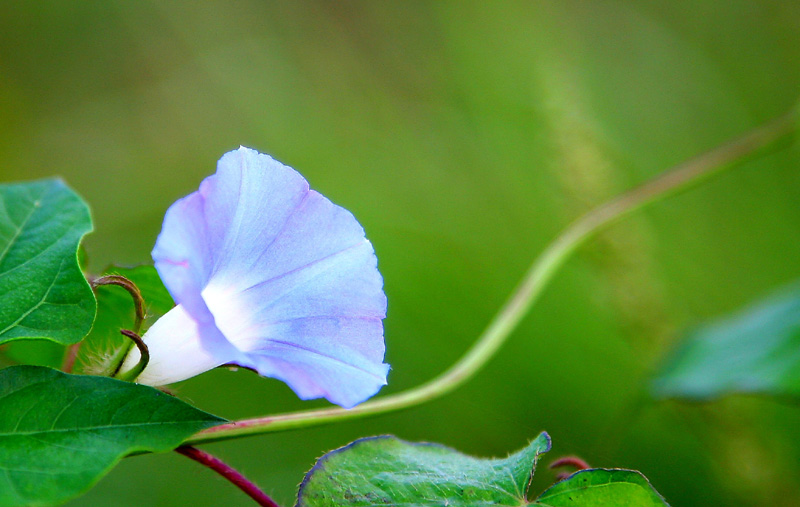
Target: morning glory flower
{"points": [[271, 276]]}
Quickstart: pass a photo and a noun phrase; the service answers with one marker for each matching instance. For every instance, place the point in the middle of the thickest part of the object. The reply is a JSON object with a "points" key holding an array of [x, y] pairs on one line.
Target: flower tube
{"points": [[271, 276]]}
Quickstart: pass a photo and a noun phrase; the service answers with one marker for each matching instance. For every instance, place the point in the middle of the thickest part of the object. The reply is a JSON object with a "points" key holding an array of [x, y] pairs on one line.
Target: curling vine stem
{"points": [[133, 290], [144, 356], [71, 353], [681, 177]]}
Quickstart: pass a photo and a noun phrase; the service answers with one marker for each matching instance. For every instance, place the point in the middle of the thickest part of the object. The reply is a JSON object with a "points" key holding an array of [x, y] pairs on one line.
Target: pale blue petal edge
{"points": [[285, 275]]}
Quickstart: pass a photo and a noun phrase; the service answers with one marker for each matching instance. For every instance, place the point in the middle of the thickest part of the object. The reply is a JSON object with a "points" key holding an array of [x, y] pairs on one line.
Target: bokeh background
{"points": [[464, 136]]}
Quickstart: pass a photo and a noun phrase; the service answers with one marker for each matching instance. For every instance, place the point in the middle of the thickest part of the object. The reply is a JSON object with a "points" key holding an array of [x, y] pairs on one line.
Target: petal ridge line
{"points": [[323, 355], [304, 266]]}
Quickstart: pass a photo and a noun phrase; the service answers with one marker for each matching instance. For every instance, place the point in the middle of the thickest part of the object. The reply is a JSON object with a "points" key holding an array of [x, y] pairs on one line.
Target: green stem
{"points": [[540, 273]]}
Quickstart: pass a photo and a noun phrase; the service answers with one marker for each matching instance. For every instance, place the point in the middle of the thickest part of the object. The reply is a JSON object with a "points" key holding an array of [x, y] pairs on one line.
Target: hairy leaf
{"points": [[43, 293], [60, 433], [389, 471]]}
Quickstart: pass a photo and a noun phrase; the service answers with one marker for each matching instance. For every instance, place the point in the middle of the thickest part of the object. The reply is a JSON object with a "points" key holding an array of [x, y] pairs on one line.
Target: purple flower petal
{"points": [[272, 276]]}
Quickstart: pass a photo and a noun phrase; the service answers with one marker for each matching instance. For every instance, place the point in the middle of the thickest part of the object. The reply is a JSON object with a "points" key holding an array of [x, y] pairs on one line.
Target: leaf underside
{"points": [[385, 470], [389, 471], [60, 433], [755, 351], [43, 293]]}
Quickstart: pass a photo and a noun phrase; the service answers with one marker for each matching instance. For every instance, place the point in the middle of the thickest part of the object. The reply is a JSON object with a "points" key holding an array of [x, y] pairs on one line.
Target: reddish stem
{"points": [[230, 474], [568, 461], [70, 356]]}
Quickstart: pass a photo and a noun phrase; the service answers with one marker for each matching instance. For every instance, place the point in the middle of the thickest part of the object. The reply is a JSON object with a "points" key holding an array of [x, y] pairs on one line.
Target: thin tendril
{"points": [[144, 356], [71, 353], [133, 290]]}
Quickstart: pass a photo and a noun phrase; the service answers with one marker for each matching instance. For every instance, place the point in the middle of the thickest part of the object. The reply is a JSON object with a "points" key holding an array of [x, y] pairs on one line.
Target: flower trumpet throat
{"points": [[269, 275]]}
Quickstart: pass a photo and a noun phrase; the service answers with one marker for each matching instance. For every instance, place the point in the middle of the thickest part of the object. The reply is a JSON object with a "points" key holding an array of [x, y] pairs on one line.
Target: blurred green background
{"points": [[464, 136]]}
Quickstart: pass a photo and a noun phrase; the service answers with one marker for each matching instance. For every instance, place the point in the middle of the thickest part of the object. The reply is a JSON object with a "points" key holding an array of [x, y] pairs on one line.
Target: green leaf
{"points": [[598, 487], [35, 352], [103, 350], [43, 293], [389, 471], [60, 433], [754, 351]]}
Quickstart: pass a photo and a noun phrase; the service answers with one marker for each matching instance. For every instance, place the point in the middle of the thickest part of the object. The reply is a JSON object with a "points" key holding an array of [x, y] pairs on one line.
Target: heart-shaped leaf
{"points": [[60, 433], [599, 486], [43, 293], [389, 471]]}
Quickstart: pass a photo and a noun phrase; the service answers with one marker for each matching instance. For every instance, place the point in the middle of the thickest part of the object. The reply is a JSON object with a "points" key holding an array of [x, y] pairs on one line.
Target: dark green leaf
{"points": [[390, 471], [35, 352], [104, 349], [60, 433], [754, 351], [43, 293], [600, 487]]}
